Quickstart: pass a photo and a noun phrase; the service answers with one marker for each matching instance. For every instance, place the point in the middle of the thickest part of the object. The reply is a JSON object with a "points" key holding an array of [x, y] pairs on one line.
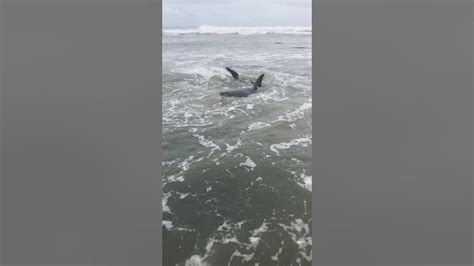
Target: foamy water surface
{"points": [[237, 172]]}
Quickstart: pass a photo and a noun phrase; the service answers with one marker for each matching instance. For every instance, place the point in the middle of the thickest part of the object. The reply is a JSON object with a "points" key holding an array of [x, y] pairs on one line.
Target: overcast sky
{"points": [[192, 13]]}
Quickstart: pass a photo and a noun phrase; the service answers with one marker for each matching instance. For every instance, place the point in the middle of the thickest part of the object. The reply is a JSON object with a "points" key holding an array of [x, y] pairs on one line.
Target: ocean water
{"points": [[237, 171]]}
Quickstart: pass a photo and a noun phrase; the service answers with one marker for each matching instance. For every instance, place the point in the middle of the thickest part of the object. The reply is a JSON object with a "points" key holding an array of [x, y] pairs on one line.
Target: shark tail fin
{"points": [[234, 74], [258, 83]]}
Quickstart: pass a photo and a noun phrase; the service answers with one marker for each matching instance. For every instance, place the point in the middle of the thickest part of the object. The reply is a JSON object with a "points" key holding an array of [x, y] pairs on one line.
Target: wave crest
{"points": [[204, 29]]}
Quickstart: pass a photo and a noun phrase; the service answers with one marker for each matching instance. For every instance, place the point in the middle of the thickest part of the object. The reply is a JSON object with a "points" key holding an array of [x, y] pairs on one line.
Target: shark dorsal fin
{"points": [[234, 74], [258, 83]]}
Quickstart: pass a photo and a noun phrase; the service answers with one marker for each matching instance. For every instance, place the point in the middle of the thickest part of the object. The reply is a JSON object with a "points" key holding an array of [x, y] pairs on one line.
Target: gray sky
{"points": [[191, 13]]}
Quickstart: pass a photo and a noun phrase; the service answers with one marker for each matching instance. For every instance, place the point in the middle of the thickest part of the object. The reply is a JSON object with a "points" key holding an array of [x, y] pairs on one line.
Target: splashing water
{"points": [[237, 172]]}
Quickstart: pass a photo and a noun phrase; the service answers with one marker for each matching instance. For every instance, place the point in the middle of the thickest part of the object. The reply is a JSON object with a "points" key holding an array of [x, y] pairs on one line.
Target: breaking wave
{"points": [[204, 29]]}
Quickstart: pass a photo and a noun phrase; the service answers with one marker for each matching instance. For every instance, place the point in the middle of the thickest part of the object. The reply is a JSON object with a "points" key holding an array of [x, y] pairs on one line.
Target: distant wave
{"points": [[302, 30]]}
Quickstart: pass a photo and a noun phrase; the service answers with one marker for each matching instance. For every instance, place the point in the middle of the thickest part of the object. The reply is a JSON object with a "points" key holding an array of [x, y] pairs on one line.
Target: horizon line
{"points": [[194, 26]]}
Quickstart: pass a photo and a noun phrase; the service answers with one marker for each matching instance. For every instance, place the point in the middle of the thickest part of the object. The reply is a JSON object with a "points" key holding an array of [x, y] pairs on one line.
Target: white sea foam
{"points": [[205, 29], [307, 182], [168, 163], [184, 165], [195, 260], [173, 178], [225, 234], [296, 160], [164, 202], [248, 162], [230, 148], [239, 224], [254, 241], [300, 234], [258, 125], [216, 161], [182, 195], [298, 113], [225, 226], [275, 257], [206, 72], [302, 142], [261, 229], [207, 143], [247, 257], [169, 226]]}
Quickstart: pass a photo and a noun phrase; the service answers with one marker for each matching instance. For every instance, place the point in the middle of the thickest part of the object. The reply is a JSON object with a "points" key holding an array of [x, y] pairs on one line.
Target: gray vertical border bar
{"points": [[1, 133], [80, 132], [392, 132]]}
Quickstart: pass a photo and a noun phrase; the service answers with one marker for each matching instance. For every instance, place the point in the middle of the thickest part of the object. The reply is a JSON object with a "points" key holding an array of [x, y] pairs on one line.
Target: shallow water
{"points": [[236, 171]]}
